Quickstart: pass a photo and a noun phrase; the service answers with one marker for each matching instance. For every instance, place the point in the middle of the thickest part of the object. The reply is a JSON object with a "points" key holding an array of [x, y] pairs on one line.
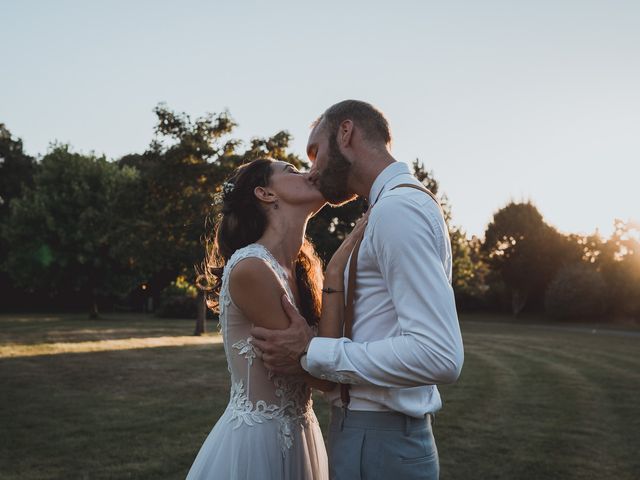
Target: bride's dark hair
{"points": [[242, 222]]}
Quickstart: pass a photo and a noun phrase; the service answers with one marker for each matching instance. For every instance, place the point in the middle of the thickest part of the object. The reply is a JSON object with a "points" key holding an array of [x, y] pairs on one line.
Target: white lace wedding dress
{"points": [[269, 430]]}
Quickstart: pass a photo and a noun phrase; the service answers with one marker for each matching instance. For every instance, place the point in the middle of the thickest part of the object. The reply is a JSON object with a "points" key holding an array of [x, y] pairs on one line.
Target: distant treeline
{"points": [[80, 232]]}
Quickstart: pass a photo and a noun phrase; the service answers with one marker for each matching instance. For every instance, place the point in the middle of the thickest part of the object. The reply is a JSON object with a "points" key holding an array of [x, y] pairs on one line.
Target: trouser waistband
{"points": [[379, 420]]}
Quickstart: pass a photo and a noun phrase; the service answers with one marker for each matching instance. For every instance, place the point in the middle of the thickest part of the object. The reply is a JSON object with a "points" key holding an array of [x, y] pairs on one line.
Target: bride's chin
{"points": [[317, 207]]}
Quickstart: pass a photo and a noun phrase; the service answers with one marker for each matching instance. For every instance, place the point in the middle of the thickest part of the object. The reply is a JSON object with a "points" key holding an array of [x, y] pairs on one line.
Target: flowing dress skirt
{"points": [[238, 451]]}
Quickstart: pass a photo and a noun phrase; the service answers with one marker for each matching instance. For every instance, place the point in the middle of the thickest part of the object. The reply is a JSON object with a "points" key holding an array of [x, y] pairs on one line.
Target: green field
{"points": [[134, 397]]}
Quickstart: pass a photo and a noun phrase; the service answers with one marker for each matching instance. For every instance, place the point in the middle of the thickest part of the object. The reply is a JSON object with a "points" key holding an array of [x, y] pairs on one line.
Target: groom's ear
{"points": [[345, 133]]}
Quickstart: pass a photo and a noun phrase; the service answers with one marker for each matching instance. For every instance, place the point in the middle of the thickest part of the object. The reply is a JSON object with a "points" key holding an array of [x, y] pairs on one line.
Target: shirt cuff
{"points": [[303, 363], [321, 357]]}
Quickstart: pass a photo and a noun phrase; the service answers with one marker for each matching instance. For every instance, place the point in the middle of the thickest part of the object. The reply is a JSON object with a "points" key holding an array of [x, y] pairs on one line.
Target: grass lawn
{"points": [[135, 396]]}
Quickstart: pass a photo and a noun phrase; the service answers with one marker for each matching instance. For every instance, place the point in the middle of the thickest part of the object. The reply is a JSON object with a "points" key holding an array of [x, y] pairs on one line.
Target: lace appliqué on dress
{"points": [[246, 348], [294, 409], [243, 409], [295, 406]]}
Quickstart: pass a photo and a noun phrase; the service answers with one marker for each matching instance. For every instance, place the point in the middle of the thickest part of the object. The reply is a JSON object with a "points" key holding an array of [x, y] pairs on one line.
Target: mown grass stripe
{"points": [[530, 404], [579, 416]]}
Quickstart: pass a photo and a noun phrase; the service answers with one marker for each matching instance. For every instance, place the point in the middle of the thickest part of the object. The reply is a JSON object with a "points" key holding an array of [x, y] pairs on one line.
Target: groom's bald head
{"points": [[350, 136], [367, 118]]}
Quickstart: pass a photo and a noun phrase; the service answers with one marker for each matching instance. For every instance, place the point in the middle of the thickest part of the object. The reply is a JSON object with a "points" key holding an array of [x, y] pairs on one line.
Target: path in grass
{"points": [[530, 404], [31, 350]]}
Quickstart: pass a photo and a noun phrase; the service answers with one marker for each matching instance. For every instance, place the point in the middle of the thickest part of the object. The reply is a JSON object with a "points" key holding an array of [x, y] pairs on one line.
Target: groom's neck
{"points": [[366, 169]]}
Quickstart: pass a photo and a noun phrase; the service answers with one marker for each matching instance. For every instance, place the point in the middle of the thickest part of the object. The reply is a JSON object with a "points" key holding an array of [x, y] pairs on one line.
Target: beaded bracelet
{"points": [[331, 290]]}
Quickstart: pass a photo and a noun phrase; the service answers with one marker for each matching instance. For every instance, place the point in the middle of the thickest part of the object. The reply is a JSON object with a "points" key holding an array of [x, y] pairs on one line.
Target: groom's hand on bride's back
{"points": [[282, 349]]}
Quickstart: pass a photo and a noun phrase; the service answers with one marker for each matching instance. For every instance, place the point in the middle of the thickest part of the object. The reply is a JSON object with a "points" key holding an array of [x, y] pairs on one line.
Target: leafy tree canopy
{"points": [[65, 231]]}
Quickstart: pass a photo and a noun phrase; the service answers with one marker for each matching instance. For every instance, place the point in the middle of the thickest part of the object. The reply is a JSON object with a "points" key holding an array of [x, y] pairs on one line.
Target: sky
{"points": [[504, 100]]}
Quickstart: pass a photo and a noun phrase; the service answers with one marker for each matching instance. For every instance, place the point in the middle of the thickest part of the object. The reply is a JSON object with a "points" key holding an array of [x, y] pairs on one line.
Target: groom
{"points": [[405, 338]]}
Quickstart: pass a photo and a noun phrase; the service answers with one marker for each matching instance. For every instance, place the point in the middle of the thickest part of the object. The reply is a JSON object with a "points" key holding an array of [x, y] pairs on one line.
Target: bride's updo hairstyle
{"points": [[242, 222]]}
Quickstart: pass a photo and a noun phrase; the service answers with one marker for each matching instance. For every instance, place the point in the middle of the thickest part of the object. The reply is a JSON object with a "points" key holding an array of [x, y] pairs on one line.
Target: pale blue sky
{"points": [[504, 100]]}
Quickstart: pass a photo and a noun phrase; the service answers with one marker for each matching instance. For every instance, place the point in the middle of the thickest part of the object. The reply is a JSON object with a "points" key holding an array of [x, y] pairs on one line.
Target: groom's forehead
{"points": [[317, 134]]}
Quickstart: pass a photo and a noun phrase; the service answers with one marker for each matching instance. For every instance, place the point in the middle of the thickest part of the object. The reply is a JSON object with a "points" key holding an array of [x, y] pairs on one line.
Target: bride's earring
{"points": [[275, 205]]}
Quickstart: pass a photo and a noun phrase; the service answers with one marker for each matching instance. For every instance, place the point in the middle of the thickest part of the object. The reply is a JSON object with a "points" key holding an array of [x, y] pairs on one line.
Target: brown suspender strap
{"points": [[351, 289], [422, 189], [348, 311]]}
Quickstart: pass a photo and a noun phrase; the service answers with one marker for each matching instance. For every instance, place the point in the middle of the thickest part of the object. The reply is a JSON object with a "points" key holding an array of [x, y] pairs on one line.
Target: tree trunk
{"points": [[93, 313], [202, 314], [518, 301]]}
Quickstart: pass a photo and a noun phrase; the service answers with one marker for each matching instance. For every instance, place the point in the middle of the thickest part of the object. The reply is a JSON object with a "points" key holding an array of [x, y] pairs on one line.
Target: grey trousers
{"points": [[381, 445]]}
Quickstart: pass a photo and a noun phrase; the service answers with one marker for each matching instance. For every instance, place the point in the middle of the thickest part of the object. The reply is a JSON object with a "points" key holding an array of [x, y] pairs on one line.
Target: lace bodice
{"points": [[257, 395]]}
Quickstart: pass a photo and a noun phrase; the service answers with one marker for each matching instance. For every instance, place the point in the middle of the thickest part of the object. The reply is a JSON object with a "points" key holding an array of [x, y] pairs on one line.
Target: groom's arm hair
{"points": [[256, 291]]}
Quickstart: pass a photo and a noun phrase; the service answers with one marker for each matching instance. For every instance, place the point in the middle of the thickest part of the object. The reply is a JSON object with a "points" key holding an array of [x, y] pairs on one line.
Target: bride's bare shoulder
{"points": [[256, 290]]}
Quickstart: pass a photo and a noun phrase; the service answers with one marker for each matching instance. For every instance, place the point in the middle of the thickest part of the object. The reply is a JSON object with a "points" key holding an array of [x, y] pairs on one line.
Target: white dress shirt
{"points": [[406, 336]]}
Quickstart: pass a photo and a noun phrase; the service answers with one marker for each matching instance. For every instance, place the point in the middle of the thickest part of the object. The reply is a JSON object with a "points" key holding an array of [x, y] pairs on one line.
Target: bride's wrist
{"points": [[333, 278], [332, 286]]}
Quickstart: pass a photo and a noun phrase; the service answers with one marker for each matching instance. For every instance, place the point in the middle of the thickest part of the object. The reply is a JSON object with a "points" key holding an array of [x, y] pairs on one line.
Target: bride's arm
{"points": [[333, 296], [332, 316], [330, 320], [258, 293], [333, 291]]}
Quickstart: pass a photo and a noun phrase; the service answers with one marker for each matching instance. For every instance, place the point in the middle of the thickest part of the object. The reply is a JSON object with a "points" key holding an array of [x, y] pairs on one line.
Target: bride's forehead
{"points": [[279, 166]]}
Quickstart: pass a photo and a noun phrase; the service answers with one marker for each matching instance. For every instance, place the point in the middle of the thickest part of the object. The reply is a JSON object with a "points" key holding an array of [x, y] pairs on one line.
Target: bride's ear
{"points": [[264, 195]]}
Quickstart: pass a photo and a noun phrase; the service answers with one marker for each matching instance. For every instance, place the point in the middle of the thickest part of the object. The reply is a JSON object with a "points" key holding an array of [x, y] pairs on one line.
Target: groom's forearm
{"points": [[395, 362]]}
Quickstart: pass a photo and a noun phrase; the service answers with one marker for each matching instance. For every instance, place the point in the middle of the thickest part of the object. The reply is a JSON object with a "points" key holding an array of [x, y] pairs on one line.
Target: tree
{"points": [[525, 251], [331, 225], [463, 270], [16, 172], [576, 292], [181, 173], [64, 232], [16, 169], [619, 262]]}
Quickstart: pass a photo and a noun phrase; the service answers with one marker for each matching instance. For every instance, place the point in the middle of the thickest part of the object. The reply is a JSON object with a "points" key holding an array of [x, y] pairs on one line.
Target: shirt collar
{"points": [[384, 177]]}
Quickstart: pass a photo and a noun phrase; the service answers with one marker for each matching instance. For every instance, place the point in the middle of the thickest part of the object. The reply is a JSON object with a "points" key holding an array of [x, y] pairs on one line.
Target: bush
{"points": [[178, 300], [623, 282], [177, 307], [577, 291]]}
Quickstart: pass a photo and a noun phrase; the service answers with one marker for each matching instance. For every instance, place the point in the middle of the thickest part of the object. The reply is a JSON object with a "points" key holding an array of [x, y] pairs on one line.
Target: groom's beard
{"points": [[332, 181]]}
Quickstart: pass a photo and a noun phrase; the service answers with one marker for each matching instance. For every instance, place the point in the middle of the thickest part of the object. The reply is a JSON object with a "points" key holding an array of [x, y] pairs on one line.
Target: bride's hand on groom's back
{"points": [[281, 349]]}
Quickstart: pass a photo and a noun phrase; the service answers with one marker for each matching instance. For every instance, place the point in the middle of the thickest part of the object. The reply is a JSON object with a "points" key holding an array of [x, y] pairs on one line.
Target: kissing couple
{"points": [[377, 331]]}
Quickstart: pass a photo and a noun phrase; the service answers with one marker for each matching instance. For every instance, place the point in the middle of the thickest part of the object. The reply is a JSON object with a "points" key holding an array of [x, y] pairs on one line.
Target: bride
{"points": [[269, 429]]}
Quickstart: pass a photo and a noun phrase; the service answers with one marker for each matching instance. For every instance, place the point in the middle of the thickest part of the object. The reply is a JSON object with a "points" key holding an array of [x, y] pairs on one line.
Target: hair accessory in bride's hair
{"points": [[227, 187], [220, 197]]}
